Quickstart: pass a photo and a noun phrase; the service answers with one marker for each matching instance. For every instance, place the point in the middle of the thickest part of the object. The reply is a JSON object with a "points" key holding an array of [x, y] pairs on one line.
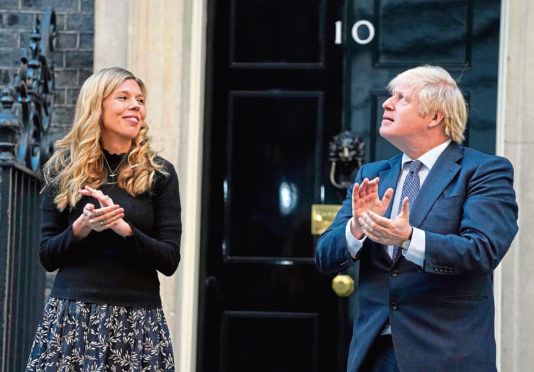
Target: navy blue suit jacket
{"points": [[442, 314]]}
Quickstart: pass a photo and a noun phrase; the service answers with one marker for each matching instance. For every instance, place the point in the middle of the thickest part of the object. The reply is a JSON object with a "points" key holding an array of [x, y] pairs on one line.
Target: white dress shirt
{"points": [[416, 251]]}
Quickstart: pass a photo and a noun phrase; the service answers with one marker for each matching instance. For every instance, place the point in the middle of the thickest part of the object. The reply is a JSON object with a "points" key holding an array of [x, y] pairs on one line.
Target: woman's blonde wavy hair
{"points": [[79, 161], [437, 92]]}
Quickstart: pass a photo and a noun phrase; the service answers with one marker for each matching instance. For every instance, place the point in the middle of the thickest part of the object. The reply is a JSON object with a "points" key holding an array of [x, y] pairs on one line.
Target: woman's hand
{"points": [[120, 226], [103, 199], [96, 219]]}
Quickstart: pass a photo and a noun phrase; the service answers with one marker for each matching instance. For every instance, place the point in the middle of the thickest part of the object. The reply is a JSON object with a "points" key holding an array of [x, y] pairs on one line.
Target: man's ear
{"points": [[437, 119]]}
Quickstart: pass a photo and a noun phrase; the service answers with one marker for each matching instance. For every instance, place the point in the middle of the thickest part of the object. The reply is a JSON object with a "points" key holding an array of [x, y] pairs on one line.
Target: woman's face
{"points": [[123, 112]]}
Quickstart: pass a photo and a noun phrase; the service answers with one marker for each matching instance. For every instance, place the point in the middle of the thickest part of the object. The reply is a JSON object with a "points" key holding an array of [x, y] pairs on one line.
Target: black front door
{"points": [[274, 96], [279, 86]]}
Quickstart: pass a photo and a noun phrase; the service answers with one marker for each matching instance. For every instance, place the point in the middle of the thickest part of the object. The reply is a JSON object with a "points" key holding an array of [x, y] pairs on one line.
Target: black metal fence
{"points": [[22, 278], [25, 144]]}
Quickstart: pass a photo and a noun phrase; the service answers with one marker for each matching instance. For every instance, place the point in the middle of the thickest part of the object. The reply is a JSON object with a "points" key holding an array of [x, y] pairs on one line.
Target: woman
{"points": [[111, 220]]}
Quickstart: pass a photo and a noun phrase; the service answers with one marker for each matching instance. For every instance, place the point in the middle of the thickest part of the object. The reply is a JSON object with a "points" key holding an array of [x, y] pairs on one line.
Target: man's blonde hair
{"points": [[437, 92]]}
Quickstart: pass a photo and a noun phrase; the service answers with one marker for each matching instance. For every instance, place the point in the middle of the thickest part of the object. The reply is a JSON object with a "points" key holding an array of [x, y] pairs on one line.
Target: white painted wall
{"points": [[515, 140]]}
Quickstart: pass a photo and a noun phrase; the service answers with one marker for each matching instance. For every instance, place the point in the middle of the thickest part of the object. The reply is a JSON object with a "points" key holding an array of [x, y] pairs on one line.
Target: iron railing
{"points": [[22, 287], [25, 144]]}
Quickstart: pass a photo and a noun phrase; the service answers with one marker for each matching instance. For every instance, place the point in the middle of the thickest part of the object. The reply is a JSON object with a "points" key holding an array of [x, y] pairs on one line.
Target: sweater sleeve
{"points": [[57, 239], [163, 249]]}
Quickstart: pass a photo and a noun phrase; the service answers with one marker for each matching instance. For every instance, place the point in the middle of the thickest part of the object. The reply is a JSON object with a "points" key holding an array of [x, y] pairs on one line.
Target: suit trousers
{"points": [[381, 356]]}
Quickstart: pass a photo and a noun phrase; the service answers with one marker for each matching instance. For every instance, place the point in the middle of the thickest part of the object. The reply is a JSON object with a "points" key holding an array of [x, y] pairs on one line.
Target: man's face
{"points": [[402, 121]]}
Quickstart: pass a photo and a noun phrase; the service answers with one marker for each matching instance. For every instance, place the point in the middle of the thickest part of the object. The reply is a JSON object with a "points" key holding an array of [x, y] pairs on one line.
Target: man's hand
{"points": [[387, 231], [365, 198]]}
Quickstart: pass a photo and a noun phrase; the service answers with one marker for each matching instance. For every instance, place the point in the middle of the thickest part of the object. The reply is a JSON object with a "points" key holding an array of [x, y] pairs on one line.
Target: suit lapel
{"points": [[441, 174]]}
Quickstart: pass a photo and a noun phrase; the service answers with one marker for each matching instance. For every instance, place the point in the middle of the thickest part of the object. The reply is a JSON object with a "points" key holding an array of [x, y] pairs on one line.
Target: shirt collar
{"points": [[430, 157]]}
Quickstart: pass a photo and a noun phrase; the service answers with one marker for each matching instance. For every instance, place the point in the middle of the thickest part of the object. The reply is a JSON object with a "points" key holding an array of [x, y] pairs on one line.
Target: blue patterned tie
{"points": [[410, 188]]}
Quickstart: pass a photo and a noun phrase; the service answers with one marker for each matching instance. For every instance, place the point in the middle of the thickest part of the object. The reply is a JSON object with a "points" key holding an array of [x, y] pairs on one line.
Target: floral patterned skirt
{"points": [[78, 336]]}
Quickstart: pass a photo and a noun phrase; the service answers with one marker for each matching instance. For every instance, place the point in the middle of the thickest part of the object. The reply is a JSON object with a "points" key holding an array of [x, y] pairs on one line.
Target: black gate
{"points": [[22, 284], [25, 118]]}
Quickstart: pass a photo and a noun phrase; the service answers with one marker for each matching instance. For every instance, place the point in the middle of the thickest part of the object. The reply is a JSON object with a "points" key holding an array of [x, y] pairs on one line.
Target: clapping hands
{"points": [[109, 215], [365, 198], [368, 215]]}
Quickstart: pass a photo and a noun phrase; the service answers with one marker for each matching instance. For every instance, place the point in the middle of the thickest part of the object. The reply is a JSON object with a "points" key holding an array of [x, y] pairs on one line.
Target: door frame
{"points": [[500, 150], [190, 144]]}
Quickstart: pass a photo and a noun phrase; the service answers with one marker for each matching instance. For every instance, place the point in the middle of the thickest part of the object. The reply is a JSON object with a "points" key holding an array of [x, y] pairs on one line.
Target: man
{"points": [[428, 248]]}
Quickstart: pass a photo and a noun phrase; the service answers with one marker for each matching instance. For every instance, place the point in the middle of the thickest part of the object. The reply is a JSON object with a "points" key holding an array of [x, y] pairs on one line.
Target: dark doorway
{"points": [[278, 87], [274, 95]]}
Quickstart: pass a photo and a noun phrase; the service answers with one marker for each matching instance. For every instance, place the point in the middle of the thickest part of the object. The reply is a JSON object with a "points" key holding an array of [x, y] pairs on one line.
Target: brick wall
{"points": [[73, 57]]}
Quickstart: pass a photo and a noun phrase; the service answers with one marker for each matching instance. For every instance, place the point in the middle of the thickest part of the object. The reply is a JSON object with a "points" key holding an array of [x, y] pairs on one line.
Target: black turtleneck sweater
{"points": [[104, 267]]}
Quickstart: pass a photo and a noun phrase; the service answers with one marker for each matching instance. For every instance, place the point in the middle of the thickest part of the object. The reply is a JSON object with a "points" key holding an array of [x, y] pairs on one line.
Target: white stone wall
{"points": [[515, 139]]}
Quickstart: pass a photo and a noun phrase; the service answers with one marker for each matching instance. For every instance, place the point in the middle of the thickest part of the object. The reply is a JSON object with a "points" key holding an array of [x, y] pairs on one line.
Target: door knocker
{"points": [[346, 155]]}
